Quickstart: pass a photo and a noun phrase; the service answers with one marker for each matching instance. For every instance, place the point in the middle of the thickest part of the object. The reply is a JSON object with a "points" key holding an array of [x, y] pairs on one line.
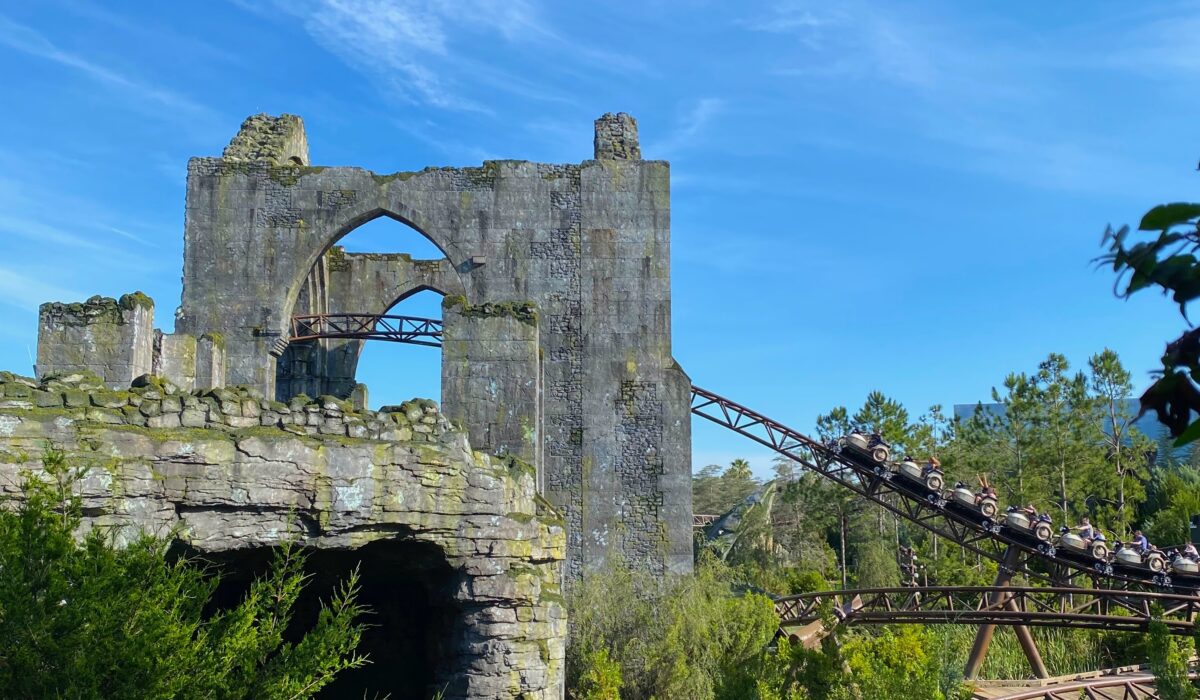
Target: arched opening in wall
{"points": [[397, 372], [381, 268], [414, 628]]}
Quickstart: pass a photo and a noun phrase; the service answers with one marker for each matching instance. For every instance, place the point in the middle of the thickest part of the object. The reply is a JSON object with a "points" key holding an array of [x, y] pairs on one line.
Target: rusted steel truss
{"points": [[1036, 606], [704, 520], [913, 503], [396, 329], [1131, 686]]}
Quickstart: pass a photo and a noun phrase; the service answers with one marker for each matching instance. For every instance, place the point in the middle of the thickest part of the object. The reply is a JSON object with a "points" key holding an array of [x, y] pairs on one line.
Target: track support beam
{"points": [[983, 638]]}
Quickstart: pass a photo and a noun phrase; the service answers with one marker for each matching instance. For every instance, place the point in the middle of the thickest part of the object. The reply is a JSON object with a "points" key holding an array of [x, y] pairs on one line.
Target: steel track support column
{"points": [[983, 638], [1025, 637]]}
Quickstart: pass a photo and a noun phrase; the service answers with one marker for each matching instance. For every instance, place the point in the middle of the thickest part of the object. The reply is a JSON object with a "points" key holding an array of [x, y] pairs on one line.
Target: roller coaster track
{"points": [[1128, 683], [1034, 606], [916, 505]]}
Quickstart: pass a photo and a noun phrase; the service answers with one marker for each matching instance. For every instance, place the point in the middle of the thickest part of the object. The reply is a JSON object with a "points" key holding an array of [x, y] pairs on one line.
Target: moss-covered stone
{"points": [[523, 311], [136, 300]]}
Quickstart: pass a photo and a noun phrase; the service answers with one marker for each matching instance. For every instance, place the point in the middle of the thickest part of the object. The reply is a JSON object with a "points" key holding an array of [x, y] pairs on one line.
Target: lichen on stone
{"points": [[523, 311]]}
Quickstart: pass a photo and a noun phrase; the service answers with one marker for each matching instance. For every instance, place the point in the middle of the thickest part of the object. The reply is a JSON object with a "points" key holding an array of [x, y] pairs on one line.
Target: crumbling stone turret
{"points": [[275, 140], [617, 137]]}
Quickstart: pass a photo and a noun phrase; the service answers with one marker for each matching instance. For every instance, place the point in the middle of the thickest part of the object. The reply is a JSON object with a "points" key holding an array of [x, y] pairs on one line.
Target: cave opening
{"points": [[413, 625]]}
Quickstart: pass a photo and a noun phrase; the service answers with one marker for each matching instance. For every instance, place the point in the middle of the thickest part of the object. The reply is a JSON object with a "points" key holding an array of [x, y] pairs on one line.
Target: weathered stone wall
{"points": [[175, 357], [112, 338], [589, 244], [491, 376], [228, 469]]}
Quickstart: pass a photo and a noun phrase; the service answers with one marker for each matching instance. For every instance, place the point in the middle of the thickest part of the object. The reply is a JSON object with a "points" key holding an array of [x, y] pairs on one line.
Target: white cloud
{"points": [[693, 122], [27, 292], [980, 95], [27, 40], [429, 51]]}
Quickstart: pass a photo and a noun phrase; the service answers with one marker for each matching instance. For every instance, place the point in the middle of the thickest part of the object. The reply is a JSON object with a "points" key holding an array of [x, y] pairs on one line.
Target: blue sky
{"points": [[866, 195]]}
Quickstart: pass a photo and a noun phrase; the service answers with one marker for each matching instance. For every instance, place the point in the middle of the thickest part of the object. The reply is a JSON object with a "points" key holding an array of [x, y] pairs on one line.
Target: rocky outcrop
{"points": [[226, 469]]}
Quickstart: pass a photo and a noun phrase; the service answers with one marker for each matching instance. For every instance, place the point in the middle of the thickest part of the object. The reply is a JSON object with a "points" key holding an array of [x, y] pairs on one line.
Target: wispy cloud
{"points": [[991, 92], [25, 39], [695, 119], [848, 41], [27, 292], [442, 52], [57, 220]]}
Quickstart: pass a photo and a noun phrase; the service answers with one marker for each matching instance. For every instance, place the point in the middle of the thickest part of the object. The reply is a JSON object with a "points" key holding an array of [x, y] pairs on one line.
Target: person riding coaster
{"points": [[871, 445], [1140, 554], [1089, 542], [983, 503], [1183, 562], [1027, 522], [929, 474]]}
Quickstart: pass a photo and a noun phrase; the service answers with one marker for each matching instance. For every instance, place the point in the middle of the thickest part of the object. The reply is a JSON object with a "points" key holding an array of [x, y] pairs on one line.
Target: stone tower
{"points": [[557, 335]]}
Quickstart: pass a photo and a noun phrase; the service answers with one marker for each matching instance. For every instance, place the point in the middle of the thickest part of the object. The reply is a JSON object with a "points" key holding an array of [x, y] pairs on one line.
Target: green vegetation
{"points": [[1064, 441], [1167, 262], [89, 620]]}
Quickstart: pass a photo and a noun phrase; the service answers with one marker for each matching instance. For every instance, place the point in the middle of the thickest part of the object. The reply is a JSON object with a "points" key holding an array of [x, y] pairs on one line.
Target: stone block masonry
{"points": [[227, 470], [491, 376], [112, 338]]}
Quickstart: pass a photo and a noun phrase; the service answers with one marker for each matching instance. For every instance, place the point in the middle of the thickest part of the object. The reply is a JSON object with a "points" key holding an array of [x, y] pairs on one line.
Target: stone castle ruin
{"points": [[563, 438]]}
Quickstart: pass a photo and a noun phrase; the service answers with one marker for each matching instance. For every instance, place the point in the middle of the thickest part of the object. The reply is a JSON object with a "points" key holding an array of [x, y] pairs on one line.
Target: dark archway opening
{"points": [[414, 625]]}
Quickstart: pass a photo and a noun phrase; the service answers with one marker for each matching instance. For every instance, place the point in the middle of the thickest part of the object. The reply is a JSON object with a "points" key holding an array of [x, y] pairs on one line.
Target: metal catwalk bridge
{"points": [[1077, 594]]}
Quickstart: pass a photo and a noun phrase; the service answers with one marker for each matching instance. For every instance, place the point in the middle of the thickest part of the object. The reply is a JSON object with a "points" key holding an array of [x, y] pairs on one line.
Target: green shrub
{"points": [[600, 678], [84, 619]]}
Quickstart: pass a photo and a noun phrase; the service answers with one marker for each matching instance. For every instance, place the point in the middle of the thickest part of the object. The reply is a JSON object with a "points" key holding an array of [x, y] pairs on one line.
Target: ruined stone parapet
{"points": [[245, 477], [189, 362], [112, 338], [210, 361], [491, 375], [276, 140], [155, 402], [617, 137]]}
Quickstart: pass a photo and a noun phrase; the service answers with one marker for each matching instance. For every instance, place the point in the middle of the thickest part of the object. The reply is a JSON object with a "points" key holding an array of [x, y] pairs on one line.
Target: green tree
{"points": [[1168, 662], [715, 492], [1003, 443], [1067, 433], [1167, 262], [1174, 497], [89, 620], [896, 664], [685, 637], [599, 679], [1125, 447]]}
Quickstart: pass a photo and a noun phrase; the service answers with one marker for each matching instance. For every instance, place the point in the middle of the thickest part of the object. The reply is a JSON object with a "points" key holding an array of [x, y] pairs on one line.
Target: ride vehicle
{"points": [[869, 445], [1183, 565], [1029, 526], [926, 474], [1094, 551], [1132, 558], [961, 497]]}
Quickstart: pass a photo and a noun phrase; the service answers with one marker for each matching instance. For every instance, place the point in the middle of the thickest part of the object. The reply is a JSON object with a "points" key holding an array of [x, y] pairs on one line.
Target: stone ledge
{"points": [[154, 402]]}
